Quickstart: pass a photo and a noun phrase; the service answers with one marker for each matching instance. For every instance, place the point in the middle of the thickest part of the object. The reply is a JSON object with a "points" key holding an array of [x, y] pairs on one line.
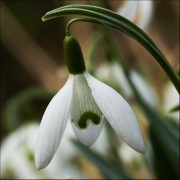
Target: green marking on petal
{"points": [[94, 118]]}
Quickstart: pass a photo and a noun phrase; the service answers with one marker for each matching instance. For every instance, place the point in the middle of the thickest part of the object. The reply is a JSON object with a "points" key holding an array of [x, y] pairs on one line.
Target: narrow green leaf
{"points": [[119, 23], [11, 112], [162, 167], [168, 140], [109, 170], [168, 143]]}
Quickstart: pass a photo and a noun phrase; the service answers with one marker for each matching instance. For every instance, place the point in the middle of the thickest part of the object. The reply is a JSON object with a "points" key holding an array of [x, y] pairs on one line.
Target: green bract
{"points": [[73, 55], [119, 23]]}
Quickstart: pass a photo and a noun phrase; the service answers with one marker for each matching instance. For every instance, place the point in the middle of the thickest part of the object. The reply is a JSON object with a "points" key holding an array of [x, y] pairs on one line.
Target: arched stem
{"points": [[79, 19]]}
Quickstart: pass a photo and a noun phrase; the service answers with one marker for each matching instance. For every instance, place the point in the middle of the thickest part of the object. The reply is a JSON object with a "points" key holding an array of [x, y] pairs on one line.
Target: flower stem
{"points": [[76, 20]]}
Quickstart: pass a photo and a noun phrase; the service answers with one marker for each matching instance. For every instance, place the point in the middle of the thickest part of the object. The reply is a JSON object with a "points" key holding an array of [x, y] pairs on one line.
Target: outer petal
{"points": [[88, 136], [53, 124], [117, 112]]}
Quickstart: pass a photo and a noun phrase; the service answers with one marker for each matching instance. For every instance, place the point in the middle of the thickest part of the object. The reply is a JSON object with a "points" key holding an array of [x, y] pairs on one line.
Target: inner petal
{"points": [[84, 109]]}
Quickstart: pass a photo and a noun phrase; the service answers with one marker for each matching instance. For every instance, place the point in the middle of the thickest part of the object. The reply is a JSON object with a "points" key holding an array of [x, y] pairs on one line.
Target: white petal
{"points": [[52, 125], [117, 112], [88, 136]]}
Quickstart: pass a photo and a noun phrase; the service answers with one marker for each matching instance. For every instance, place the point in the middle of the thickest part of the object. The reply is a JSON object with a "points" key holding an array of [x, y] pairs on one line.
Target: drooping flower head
{"points": [[85, 102]]}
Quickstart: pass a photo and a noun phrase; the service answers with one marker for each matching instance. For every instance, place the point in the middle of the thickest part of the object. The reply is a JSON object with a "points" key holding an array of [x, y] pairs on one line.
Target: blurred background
{"points": [[33, 69]]}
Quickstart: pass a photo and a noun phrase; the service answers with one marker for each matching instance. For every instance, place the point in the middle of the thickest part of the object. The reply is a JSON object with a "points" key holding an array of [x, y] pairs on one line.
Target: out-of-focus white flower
{"points": [[114, 74], [144, 89], [139, 12], [17, 156], [171, 99], [140, 167]]}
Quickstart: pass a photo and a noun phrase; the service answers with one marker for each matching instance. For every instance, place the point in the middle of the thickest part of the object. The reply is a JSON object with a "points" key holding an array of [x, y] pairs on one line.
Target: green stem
{"points": [[76, 20]]}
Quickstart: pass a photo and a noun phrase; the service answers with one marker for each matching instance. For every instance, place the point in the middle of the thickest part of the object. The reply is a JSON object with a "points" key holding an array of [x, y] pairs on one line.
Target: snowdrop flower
{"points": [[85, 101]]}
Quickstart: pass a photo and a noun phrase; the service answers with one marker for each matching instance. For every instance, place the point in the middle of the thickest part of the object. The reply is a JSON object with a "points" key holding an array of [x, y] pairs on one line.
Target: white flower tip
{"points": [[40, 161], [40, 165], [139, 147]]}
